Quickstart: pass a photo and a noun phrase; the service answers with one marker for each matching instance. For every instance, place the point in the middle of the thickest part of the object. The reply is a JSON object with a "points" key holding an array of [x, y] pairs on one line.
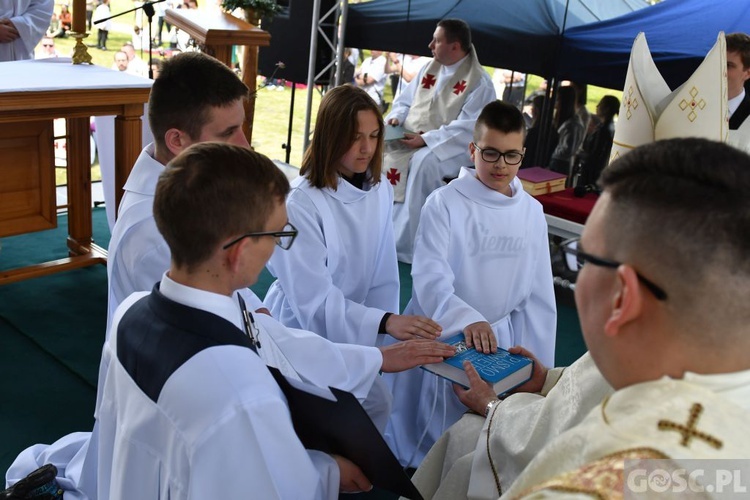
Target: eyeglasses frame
{"points": [[292, 233], [502, 155], [658, 292]]}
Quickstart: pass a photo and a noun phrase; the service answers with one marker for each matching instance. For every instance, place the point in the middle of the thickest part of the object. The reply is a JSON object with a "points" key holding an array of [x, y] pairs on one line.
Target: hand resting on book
{"points": [[407, 326], [481, 336], [481, 392], [412, 353]]}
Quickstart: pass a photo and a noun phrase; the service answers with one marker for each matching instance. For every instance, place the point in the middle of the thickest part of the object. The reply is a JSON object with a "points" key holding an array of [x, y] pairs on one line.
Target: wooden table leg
{"points": [[79, 186], [249, 75], [127, 146]]}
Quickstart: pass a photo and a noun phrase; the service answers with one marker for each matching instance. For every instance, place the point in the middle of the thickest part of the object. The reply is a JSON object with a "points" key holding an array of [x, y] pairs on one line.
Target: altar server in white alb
{"points": [[189, 409], [439, 108], [341, 278], [481, 266], [195, 99], [22, 25]]}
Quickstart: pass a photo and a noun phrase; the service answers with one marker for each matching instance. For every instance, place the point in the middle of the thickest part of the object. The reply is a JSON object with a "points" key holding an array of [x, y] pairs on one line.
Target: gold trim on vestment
{"points": [[602, 479]]}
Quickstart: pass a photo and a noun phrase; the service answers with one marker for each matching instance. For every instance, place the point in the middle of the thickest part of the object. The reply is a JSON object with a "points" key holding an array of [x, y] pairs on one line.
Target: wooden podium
{"points": [[217, 32], [32, 94]]}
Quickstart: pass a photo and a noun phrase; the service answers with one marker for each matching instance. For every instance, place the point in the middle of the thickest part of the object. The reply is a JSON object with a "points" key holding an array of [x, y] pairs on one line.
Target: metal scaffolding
{"points": [[334, 18]]}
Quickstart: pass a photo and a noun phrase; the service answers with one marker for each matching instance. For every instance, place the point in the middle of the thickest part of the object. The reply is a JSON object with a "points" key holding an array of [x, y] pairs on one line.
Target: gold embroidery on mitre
{"points": [[630, 102], [602, 479], [694, 104], [688, 431]]}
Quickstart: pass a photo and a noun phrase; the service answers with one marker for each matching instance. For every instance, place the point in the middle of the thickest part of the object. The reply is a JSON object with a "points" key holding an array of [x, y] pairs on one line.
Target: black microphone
{"points": [[580, 191]]}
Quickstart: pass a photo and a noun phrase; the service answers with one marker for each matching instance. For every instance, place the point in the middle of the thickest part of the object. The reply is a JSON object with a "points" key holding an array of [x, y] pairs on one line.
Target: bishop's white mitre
{"points": [[651, 111]]}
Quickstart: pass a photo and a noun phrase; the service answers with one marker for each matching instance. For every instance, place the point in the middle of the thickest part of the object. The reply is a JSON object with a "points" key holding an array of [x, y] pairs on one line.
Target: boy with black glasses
{"points": [[188, 408], [481, 266]]}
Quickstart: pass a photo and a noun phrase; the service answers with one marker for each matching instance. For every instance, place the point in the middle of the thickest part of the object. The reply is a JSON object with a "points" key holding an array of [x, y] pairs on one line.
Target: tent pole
{"points": [[547, 117], [340, 44], [311, 71]]}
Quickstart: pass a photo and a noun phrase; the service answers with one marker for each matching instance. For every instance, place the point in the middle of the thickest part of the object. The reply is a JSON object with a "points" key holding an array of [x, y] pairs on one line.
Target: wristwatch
{"points": [[489, 407]]}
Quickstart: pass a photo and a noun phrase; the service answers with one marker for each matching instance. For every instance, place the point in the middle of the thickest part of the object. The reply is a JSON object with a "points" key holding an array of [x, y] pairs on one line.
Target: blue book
{"points": [[502, 369]]}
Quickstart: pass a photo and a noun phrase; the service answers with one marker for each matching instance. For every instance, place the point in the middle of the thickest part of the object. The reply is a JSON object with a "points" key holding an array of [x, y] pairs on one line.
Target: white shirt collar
{"points": [[214, 303], [734, 102], [145, 173], [470, 186], [449, 70]]}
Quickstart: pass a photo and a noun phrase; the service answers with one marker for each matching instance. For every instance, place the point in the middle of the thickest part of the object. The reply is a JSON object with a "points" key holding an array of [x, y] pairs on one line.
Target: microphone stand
{"points": [[148, 9]]}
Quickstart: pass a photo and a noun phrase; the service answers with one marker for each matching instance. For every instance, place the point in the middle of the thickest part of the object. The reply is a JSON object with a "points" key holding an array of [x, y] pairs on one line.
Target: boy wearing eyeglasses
{"points": [[481, 267], [188, 409]]}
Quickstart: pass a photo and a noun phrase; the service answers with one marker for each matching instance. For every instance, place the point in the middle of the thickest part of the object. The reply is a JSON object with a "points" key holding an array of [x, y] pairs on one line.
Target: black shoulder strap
{"points": [[158, 335], [741, 113]]}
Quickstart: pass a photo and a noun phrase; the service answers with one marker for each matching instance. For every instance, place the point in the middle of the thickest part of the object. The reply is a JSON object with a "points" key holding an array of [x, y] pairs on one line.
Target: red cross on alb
{"points": [[428, 81], [393, 176], [459, 87]]}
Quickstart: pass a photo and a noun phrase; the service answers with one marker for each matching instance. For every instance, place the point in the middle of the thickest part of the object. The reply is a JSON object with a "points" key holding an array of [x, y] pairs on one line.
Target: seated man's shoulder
{"points": [[597, 479]]}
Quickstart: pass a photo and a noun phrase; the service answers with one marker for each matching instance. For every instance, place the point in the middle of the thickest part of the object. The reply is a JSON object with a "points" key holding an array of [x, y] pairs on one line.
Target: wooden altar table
{"points": [[32, 94]]}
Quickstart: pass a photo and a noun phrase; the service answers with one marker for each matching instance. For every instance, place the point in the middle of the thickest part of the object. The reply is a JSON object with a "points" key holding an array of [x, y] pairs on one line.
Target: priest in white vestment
{"points": [[438, 108], [662, 295]]}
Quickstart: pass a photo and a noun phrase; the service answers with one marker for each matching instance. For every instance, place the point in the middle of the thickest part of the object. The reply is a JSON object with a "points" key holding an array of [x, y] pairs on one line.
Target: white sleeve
{"points": [[525, 423], [302, 271], [384, 290], [142, 257], [376, 69], [255, 453], [320, 362], [433, 278], [402, 103], [33, 23], [536, 319]]}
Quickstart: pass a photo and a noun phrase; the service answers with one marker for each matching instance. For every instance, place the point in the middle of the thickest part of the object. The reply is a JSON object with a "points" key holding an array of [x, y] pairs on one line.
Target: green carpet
{"points": [[51, 334]]}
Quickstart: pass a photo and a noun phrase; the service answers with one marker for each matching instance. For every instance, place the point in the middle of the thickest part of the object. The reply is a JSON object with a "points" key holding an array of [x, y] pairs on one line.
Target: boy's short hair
{"points": [[211, 192], [740, 43], [500, 116], [189, 85], [336, 128]]}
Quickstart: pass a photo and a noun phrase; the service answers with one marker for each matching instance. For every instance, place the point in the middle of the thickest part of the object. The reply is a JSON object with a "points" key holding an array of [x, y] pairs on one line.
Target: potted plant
{"points": [[254, 9]]}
